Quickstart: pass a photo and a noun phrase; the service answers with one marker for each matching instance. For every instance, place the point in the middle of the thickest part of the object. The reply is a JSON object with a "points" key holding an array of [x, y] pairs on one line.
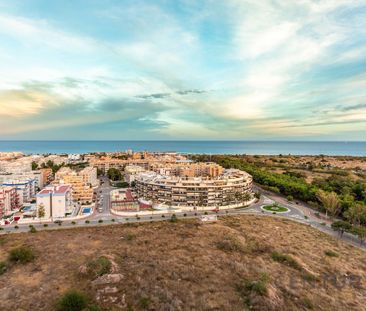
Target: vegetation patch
{"points": [[230, 245], [275, 208], [22, 254], [331, 253], [249, 288], [144, 303], [286, 260], [72, 300], [3, 267], [99, 267]]}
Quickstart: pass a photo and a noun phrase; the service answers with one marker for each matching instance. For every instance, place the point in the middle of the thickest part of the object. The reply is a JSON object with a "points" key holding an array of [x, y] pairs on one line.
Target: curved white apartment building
{"points": [[230, 187]]}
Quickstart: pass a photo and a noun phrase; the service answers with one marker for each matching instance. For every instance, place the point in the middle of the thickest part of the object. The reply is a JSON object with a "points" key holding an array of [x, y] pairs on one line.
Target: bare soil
{"points": [[188, 266]]}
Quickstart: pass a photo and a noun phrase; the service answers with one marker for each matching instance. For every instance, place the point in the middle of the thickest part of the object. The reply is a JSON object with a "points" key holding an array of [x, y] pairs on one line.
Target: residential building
{"points": [[81, 188], [131, 171], [55, 200], [230, 187], [9, 200], [89, 175], [26, 188]]}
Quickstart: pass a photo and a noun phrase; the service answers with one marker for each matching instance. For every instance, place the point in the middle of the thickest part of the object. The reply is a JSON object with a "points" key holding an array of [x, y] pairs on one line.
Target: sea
{"points": [[188, 146]]}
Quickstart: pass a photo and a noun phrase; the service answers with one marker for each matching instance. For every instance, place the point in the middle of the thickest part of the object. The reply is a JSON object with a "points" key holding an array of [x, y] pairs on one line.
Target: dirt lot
{"points": [[189, 266]]}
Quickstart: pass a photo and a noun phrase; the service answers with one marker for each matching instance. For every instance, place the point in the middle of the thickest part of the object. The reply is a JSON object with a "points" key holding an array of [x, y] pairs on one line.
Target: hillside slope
{"points": [[238, 263]]}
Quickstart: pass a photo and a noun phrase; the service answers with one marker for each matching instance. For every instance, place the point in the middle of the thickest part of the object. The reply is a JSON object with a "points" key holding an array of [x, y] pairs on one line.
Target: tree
{"points": [[330, 202], [246, 196], [341, 226], [356, 214], [360, 232], [41, 211], [34, 166], [114, 174]]}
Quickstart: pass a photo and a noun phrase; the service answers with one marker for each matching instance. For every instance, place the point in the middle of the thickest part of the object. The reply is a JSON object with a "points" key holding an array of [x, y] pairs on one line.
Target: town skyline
{"points": [[182, 70]]}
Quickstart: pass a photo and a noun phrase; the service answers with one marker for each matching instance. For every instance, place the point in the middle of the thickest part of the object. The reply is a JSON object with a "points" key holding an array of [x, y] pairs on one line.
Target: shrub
{"points": [[87, 221], [163, 216], [230, 245], [45, 225], [22, 254], [173, 218], [185, 215], [206, 213], [330, 253], [144, 303], [286, 260], [30, 226], [3, 267], [130, 237], [72, 300], [100, 221], [1, 228], [127, 219], [73, 222], [290, 198], [32, 230], [99, 266], [259, 286], [16, 227], [113, 220]]}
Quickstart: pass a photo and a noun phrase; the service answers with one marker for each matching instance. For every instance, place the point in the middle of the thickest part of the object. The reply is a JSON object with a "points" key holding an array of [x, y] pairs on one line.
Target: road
{"points": [[297, 212]]}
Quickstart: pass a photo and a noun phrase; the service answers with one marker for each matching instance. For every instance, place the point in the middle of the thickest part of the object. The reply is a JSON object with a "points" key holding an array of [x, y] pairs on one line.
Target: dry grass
{"points": [[228, 265]]}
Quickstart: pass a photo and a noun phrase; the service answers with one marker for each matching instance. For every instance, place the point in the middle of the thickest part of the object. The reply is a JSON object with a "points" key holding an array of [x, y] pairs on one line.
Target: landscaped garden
{"points": [[275, 208]]}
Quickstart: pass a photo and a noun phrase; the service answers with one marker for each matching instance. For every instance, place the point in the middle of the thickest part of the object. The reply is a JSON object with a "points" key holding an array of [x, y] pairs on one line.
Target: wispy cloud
{"points": [[228, 69]]}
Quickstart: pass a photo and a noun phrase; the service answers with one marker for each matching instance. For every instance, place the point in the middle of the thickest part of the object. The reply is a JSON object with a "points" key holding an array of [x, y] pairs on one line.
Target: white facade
{"points": [[131, 171], [26, 188], [56, 201]]}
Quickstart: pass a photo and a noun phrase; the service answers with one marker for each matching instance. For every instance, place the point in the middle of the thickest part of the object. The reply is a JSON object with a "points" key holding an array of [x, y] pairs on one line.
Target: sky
{"points": [[183, 69]]}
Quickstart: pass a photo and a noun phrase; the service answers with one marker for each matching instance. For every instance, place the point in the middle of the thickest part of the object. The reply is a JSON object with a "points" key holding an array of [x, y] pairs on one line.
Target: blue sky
{"points": [[233, 69]]}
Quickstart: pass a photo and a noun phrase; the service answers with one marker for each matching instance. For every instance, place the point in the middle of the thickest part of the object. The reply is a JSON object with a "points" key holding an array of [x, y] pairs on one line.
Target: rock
{"points": [[108, 279], [83, 269], [109, 290]]}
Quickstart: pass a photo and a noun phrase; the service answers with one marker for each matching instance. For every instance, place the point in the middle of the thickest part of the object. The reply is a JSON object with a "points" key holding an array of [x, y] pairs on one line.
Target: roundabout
{"points": [[275, 208]]}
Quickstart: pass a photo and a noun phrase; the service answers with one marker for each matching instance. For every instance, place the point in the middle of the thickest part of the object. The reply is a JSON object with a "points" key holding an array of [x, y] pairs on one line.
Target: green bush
{"points": [[113, 220], [330, 253], [173, 218], [99, 266], [45, 225], [286, 260], [16, 227], [3, 267], [87, 221], [32, 230], [73, 223], [72, 300], [100, 221], [259, 286], [144, 303], [22, 254]]}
